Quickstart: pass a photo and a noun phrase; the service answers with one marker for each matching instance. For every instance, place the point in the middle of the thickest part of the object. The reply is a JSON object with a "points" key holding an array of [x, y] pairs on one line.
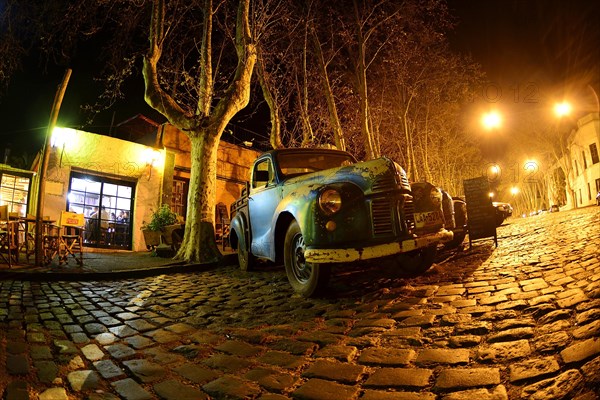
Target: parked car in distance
{"points": [[554, 208], [455, 214], [460, 222], [313, 208], [503, 211]]}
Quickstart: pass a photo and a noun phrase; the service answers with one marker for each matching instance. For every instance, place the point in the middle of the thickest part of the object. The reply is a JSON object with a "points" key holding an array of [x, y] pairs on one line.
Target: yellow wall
{"points": [[123, 160], [106, 156]]}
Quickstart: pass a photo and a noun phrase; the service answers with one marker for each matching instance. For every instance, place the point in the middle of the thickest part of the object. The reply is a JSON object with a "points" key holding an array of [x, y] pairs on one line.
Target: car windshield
{"points": [[292, 164]]}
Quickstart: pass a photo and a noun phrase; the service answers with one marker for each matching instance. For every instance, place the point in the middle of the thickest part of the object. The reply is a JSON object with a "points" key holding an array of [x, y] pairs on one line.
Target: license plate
{"points": [[427, 219]]}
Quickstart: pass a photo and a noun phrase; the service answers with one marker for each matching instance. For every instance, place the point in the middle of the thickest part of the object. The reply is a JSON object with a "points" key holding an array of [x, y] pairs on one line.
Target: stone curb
{"points": [[174, 267]]}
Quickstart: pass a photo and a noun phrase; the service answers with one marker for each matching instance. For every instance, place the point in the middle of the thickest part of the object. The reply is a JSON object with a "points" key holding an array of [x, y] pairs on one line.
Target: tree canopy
{"points": [[376, 78]]}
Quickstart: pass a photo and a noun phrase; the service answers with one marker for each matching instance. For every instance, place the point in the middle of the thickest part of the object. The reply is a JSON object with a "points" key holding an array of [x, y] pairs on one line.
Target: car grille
{"points": [[409, 214], [383, 183], [404, 180], [382, 217]]}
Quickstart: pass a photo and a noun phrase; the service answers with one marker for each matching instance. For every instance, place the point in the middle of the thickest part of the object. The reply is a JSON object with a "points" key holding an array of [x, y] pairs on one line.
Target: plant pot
{"points": [[152, 238], [167, 233]]}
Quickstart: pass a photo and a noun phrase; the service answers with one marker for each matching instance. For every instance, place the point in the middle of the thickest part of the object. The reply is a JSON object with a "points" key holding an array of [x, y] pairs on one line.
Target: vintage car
{"points": [[312, 208], [503, 211], [460, 222], [455, 213]]}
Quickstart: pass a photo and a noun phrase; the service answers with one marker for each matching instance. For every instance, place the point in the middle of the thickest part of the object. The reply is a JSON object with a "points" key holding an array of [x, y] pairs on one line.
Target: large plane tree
{"points": [[202, 121]]}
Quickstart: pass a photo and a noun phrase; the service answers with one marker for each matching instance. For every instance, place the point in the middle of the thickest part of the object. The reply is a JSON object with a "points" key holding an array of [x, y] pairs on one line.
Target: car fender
{"points": [[300, 207], [239, 225], [301, 204]]}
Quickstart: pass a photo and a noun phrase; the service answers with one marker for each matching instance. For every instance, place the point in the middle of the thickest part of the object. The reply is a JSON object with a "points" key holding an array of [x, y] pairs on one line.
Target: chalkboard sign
{"points": [[481, 214]]}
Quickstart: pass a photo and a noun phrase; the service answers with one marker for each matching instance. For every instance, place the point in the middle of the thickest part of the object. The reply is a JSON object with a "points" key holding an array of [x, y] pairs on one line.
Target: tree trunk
{"points": [[275, 135], [205, 126], [199, 235], [334, 119], [361, 82], [307, 132]]}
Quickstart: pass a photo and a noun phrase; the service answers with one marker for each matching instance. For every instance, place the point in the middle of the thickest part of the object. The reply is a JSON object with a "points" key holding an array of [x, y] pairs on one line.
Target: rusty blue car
{"points": [[311, 209]]}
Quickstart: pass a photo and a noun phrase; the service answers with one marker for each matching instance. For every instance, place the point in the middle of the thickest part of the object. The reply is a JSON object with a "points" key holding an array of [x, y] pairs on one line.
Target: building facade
{"points": [[117, 184], [585, 148], [582, 183]]}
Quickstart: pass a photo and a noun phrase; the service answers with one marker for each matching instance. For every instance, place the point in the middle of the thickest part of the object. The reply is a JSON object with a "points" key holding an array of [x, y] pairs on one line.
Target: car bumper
{"points": [[381, 250]]}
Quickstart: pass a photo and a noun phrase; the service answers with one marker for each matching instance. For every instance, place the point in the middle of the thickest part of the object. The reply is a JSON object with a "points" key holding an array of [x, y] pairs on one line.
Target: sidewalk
{"points": [[107, 264]]}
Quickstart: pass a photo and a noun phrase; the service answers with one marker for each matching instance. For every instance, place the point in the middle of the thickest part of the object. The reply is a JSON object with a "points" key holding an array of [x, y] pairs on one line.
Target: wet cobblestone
{"points": [[520, 321]]}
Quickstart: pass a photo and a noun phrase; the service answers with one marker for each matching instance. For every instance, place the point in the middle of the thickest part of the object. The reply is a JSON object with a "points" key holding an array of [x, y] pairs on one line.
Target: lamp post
{"points": [[491, 120], [531, 167], [562, 109], [60, 93], [514, 191]]}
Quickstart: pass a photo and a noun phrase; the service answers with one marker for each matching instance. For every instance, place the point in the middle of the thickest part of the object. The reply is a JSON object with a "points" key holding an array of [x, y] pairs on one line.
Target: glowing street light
{"points": [[491, 120], [562, 109], [514, 190]]}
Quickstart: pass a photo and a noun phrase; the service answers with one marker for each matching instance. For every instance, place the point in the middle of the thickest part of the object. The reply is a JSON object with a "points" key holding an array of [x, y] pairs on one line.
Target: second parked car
{"points": [[503, 211]]}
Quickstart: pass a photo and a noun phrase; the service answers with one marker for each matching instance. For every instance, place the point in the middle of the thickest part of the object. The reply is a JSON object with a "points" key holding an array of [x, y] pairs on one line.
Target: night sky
{"points": [[550, 44], [534, 54]]}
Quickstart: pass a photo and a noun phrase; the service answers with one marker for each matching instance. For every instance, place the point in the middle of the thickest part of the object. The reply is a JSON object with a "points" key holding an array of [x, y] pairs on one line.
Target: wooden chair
{"points": [[9, 245], [71, 236], [51, 242], [27, 236]]}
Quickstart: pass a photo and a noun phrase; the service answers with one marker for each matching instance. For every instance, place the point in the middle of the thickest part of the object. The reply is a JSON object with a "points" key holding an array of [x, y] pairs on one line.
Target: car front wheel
{"points": [[307, 279], [246, 259]]}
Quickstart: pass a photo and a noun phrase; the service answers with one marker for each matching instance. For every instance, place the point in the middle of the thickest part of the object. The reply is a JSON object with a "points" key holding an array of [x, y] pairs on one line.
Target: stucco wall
{"points": [[233, 163], [105, 156]]}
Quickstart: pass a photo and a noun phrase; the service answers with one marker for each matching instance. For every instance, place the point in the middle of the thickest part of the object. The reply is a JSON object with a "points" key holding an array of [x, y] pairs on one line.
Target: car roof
{"points": [[300, 150]]}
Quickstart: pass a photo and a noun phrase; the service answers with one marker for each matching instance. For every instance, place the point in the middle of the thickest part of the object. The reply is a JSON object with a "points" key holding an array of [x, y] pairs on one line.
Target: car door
{"points": [[264, 197]]}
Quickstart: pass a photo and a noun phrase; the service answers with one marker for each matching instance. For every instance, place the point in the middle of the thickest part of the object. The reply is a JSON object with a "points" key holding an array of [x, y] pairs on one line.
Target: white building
{"points": [[585, 150]]}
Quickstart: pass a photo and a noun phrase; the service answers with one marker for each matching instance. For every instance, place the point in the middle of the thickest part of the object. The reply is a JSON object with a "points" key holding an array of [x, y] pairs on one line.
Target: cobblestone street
{"points": [[521, 321]]}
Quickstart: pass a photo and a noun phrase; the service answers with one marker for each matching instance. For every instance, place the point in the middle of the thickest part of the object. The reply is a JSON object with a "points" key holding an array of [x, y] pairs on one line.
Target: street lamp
{"points": [[491, 120], [562, 109], [514, 190]]}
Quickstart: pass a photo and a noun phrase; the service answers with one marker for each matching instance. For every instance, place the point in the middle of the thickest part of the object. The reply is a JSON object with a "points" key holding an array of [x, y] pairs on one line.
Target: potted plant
{"points": [[160, 219]]}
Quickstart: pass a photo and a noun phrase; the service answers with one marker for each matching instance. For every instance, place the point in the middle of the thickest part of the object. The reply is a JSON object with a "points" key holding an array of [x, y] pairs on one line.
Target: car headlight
{"points": [[436, 197], [330, 201]]}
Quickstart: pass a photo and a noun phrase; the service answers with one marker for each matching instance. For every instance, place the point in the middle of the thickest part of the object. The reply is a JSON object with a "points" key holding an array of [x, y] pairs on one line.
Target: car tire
{"points": [[418, 261], [246, 259], [307, 279]]}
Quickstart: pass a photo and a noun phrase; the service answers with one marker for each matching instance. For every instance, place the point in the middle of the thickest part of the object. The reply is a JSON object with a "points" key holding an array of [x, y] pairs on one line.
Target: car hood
{"points": [[381, 174]]}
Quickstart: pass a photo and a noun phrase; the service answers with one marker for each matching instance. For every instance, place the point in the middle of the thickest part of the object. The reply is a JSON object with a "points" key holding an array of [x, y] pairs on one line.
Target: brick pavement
{"points": [[520, 321]]}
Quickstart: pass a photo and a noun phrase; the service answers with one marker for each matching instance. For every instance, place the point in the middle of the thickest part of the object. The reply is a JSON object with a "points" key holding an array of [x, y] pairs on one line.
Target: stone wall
{"points": [[233, 163]]}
